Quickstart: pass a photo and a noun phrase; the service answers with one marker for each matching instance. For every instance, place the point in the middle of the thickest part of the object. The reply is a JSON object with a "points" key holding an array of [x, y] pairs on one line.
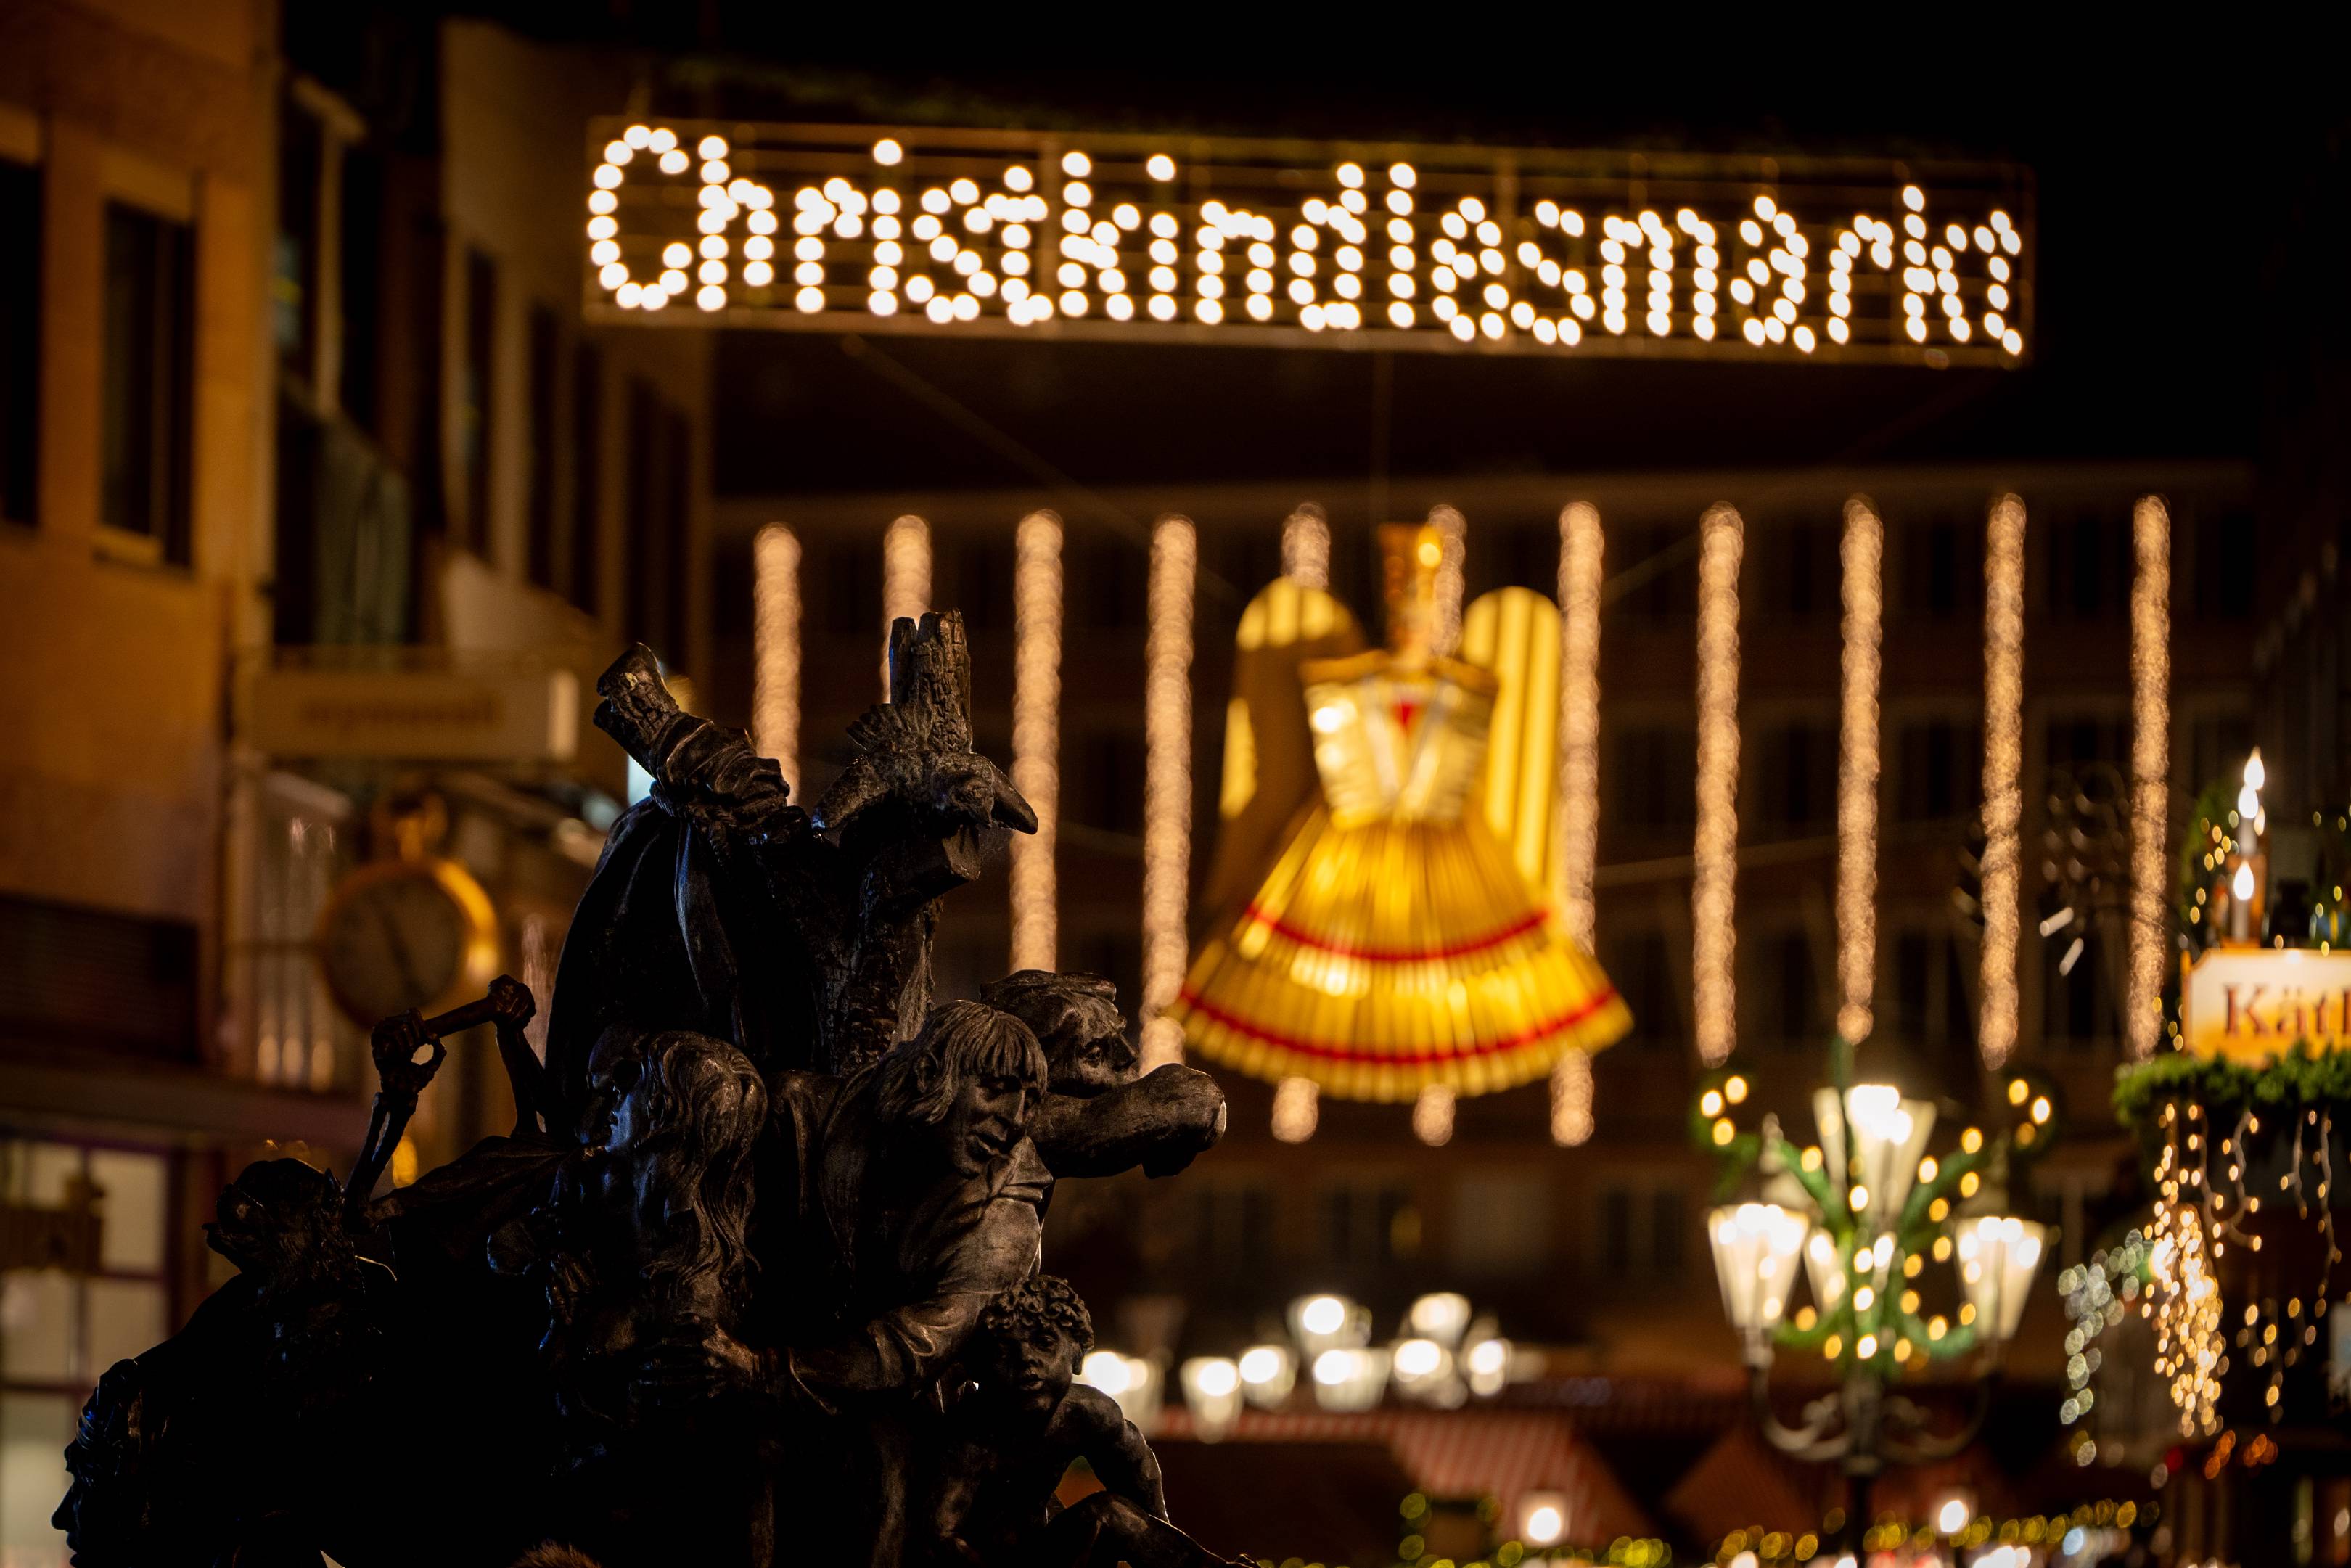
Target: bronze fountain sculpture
{"points": [[756, 1273]]}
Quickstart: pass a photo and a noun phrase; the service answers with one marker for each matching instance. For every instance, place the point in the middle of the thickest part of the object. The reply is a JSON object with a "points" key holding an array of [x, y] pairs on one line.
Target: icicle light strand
{"points": [[1432, 1116], [1716, 868], [1445, 636], [1166, 782], [2150, 770], [776, 648], [1580, 560], [2003, 794], [1297, 1107], [1036, 736], [1306, 547], [1857, 769], [906, 579]]}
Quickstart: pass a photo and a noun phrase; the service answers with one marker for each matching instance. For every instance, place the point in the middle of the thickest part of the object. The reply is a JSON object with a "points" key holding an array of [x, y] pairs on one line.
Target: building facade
{"points": [[295, 390]]}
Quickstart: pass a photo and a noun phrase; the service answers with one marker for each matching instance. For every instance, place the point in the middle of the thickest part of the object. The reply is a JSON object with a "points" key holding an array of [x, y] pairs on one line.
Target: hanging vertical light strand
{"points": [[1306, 547], [1857, 769], [1306, 561], [2150, 770], [1444, 635], [2003, 767], [1578, 842], [1715, 859], [776, 648], [1297, 1107], [1036, 736], [1432, 1116], [906, 579], [1166, 783]]}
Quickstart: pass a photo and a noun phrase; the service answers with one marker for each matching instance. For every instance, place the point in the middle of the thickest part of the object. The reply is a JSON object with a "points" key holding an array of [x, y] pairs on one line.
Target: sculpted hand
{"points": [[403, 1065], [696, 1361]]}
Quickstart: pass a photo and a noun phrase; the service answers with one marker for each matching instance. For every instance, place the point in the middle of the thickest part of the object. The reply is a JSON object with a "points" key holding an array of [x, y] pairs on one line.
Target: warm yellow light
{"points": [[1715, 855], [1710, 1103], [1453, 532], [1572, 1095], [1296, 1109], [1160, 166], [1580, 551], [1432, 1115], [887, 151], [1166, 782], [906, 579], [776, 648], [1036, 734], [2150, 772], [1857, 774], [2004, 760], [1306, 547]]}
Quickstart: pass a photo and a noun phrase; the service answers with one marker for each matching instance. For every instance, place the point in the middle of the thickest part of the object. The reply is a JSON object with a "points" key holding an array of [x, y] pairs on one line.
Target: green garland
{"points": [[2301, 1077]]}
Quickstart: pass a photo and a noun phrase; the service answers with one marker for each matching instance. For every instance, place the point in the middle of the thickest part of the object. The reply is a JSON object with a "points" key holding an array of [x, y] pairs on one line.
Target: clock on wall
{"points": [[415, 930]]}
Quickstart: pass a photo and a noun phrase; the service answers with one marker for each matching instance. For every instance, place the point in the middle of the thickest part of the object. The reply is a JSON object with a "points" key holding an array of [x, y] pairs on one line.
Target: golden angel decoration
{"points": [[1381, 925]]}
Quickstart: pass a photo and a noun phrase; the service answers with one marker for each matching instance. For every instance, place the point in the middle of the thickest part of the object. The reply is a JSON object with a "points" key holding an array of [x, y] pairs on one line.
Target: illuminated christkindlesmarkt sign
{"points": [[1126, 237]]}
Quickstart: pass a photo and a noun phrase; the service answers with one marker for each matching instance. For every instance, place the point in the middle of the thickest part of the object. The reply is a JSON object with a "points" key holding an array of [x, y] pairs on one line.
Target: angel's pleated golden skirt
{"points": [[1381, 958]]}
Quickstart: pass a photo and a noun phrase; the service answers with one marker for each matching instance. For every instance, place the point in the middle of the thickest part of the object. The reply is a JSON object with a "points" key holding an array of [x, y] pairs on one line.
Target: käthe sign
{"points": [[2249, 1004], [513, 714]]}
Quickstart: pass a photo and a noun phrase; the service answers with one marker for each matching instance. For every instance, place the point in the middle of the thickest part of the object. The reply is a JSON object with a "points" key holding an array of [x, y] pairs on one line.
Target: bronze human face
{"points": [[1086, 1068], [987, 1117]]}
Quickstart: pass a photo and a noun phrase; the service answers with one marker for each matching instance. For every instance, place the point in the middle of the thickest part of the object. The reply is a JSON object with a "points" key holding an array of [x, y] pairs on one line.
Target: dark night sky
{"points": [[2171, 191]]}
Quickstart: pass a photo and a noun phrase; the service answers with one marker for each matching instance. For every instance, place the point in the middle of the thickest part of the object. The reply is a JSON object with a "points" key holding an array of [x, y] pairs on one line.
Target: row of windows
{"points": [[1926, 995], [332, 349], [1491, 1225]]}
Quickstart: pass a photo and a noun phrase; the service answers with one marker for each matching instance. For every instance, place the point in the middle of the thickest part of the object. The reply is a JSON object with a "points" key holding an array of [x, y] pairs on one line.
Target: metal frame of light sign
{"points": [[1124, 237]]}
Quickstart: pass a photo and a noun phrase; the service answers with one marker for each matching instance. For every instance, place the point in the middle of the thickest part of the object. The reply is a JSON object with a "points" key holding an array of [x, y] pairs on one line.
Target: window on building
{"points": [[1644, 1229], [1248, 557], [2228, 553], [1231, 1226], [1801, 572], [981, 565], [83, 1286], [2087, 565], [2079, 1007], [476, 400], [2217, 748], [1668, 1231], [1782, 992], [1937, 769], [546, 352], [298, 1037], [1108, 792], [659, 501], [1941, 562], [148, 385], [20, 340], [1108, 580], [2076, 742], [1501, 1224], [849, 565], [1653, 779], [584, 569], [1640, 964], [302, 154], [1795, 780], [1654, 566], [359, 289], [1934, 992], [84, 979], [1368, 1224]]}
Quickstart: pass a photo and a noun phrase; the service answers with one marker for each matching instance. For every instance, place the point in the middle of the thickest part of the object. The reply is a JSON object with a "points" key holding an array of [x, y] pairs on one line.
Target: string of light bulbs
{"points": [[2150, 772], [1716, 854], [1578, 848], [906, 579], [1166, 783], [1036, 736], [2003, 764], [776, 648], [1857, 769]]}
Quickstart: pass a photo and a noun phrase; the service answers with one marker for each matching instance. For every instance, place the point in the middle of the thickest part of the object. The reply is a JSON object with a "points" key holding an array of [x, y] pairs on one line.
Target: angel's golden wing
{"points": [[1514, 633], [1268, 771]]}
